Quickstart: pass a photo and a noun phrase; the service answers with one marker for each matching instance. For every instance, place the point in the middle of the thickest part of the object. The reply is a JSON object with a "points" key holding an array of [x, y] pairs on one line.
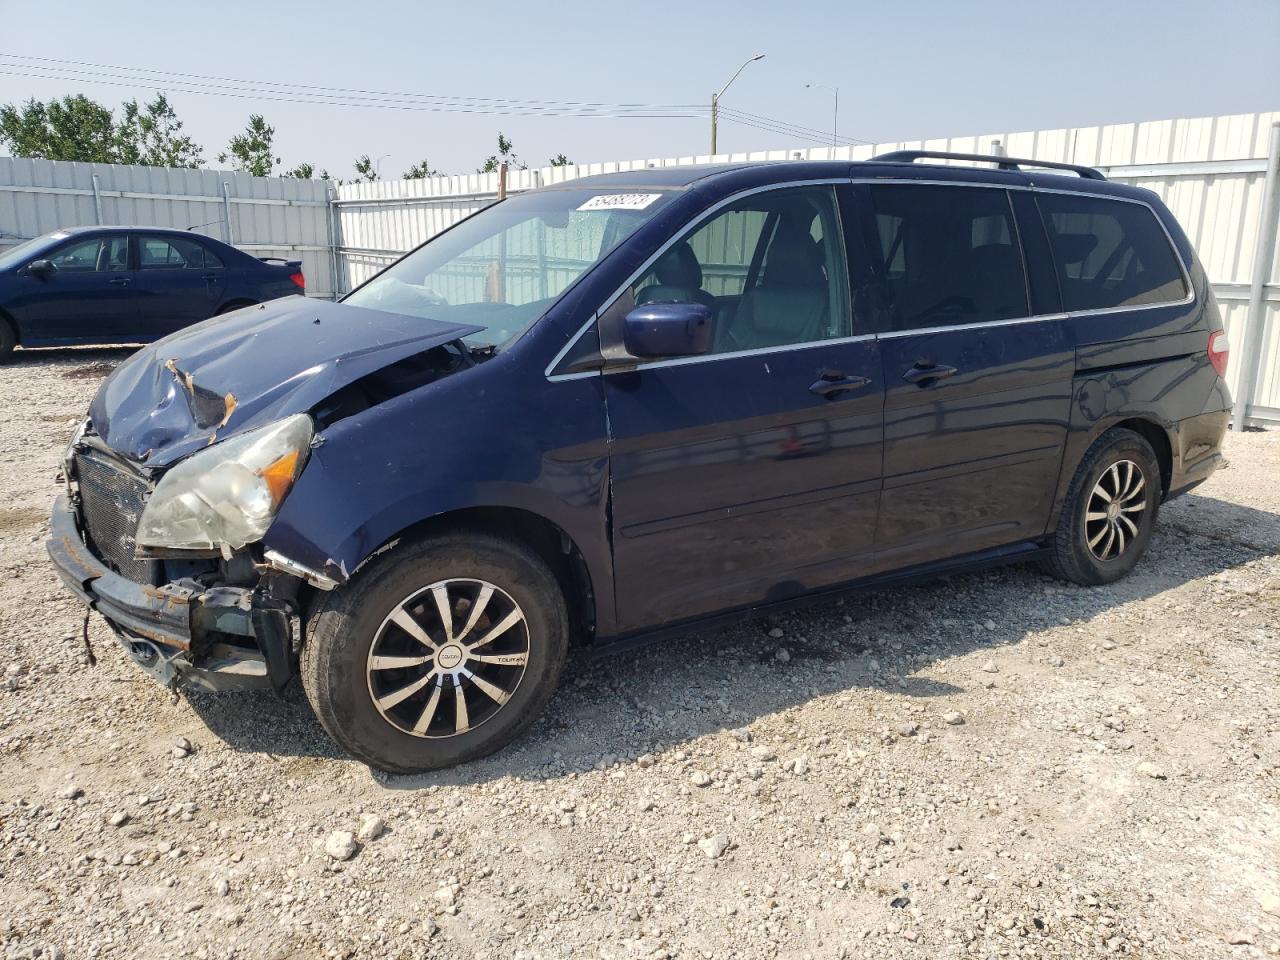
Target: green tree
{"points": [[73, 128], [421, 170], [560, 160], [506, 154], [252, 151], [366, 169], [151, 135], [303, 171]]}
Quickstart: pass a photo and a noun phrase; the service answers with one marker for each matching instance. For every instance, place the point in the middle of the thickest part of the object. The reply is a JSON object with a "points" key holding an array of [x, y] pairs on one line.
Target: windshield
{"points": [[28, 248], [504, 267]]}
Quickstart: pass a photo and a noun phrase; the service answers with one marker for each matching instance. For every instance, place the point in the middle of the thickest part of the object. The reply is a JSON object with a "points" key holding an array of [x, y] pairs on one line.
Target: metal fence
{"points": [[264, 216], [1211, 171]]}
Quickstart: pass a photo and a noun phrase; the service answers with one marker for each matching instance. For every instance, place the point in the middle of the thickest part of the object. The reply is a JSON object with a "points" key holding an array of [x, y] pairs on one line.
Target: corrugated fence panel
{"points": [[270, 216]]}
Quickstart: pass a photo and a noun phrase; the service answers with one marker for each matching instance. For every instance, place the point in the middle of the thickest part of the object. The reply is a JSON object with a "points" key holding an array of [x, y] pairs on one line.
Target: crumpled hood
{"points": [[247, 369]]}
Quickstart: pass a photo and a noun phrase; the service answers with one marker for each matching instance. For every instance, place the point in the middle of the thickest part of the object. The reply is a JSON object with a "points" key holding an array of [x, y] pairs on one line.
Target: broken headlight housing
{"points": [[227, 496]]}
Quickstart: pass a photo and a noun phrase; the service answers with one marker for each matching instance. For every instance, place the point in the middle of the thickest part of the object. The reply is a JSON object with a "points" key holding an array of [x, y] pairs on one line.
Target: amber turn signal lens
{"points": [[280, 475]]}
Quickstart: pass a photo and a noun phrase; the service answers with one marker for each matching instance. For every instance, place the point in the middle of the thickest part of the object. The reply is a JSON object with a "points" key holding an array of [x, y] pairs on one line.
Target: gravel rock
{"points": [[371, 828], [341, 845], [714, 846], [700, 778], [118, 819], [1153, 770], [953, 717], [990, 667]]}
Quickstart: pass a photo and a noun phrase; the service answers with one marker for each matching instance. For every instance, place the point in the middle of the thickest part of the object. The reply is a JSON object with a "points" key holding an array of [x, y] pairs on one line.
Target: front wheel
{"points": [[1110, 511], [437, 653]]}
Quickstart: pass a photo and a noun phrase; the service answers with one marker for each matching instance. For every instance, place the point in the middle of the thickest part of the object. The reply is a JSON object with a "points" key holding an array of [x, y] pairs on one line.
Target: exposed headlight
{"points": [[227, 496]]}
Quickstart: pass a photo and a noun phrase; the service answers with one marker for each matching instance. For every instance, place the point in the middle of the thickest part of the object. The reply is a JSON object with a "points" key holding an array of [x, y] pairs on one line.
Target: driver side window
{"points": [[770, 267]]}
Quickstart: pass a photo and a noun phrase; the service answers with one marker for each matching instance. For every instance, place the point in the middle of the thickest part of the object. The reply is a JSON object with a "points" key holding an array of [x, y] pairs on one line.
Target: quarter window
{"points": [[1109, 253], [770, 267], [101, 255], [949, 255]]}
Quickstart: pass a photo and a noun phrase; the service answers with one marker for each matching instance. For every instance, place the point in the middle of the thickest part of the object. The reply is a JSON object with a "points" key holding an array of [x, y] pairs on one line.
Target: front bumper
{"points": [[183, 634]]}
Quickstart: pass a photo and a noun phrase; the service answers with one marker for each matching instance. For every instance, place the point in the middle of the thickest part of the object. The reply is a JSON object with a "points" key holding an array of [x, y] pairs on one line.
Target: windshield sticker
{"points": [[620, 201]]}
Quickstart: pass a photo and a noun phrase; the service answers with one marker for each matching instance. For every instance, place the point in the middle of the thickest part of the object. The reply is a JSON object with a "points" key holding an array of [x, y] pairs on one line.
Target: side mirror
{"points": [[41, 268], [667, 330]]}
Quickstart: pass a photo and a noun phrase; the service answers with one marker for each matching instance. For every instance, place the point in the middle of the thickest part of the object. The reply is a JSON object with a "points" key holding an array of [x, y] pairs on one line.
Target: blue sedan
{"points": [[127, 285]]}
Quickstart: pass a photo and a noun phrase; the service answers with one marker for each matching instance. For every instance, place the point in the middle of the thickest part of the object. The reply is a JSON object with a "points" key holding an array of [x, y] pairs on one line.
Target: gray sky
{"points": [[905, 69]]}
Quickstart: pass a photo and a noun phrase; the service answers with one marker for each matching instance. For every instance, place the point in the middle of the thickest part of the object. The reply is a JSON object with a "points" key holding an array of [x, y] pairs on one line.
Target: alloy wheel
{"points": [[448, 657], [1112, 515]]}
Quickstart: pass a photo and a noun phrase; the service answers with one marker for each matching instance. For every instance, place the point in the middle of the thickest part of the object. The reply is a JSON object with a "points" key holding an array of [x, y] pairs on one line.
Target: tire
{"points": [[1096, 543], [357, 650], [8, 339]]}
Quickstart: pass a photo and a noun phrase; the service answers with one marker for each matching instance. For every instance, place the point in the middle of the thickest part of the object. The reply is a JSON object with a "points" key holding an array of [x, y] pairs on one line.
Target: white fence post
{"points": [[1264, 255]]}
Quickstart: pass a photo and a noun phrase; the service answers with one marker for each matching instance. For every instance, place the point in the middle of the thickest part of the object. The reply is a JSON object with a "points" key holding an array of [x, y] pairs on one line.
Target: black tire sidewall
{"points": [[1124, 445], [344, 630]]}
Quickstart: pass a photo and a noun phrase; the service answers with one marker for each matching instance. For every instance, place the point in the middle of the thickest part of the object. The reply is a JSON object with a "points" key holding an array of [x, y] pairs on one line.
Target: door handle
{"points": [[211, 277], [832, 383], [120, 281], [926, 375]]}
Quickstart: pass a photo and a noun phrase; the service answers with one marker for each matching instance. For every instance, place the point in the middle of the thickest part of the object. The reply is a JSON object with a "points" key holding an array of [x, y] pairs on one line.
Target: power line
{"points": [[274, 91], [808, 136], [345, 95]]}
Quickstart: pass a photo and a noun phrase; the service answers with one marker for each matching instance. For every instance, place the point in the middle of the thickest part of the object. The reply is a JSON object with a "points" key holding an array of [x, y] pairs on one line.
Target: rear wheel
{"points": [[236, 305], [1110, 511], [438, 652]]}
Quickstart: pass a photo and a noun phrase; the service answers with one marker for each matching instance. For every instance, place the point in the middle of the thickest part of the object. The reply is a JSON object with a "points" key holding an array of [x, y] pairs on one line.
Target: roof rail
{"points": [[1004, 163]]}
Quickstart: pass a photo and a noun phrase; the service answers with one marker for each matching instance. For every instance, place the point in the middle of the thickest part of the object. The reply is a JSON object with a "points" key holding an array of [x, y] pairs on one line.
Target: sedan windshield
{"points": [[28, 248], [503, 268]]}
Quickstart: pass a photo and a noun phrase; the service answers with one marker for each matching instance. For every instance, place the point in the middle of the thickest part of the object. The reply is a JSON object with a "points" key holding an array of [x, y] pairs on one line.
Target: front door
{"points": [[88, 295], [179, 281], [977, 380], [752, 473]]}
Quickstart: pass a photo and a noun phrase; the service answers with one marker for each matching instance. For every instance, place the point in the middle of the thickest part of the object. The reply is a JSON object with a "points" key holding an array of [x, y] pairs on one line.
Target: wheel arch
{"points": [[1156, 435], [551, 542], [12, 323]]}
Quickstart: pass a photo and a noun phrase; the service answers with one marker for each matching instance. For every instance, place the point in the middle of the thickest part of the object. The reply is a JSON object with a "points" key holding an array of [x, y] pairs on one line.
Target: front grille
{"points": [[111, 500]]}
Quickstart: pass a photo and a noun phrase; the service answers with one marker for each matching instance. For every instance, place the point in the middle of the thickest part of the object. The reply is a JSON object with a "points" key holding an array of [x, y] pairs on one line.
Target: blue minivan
{"points": [[631, 405]]}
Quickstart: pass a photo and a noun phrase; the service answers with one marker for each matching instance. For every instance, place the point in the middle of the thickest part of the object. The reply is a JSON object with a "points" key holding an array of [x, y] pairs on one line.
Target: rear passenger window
{"points": [[175, 253], [1110, 253], [949, 255]]}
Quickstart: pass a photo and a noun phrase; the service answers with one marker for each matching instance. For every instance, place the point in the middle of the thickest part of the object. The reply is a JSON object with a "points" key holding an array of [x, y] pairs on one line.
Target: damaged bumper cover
{"points": [[180, 633]]}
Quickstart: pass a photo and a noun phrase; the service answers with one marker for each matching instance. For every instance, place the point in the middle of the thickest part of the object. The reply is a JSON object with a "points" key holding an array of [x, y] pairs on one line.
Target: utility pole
{"points": [[835, 113], [715, 98]]}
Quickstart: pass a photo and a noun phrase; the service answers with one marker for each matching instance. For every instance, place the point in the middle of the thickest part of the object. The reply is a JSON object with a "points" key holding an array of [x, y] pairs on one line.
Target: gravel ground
{"points": [[991, 765]]}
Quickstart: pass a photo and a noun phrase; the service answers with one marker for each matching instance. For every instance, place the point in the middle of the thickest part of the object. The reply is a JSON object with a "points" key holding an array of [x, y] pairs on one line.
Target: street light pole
{"points": [[715, 98], [835, 118]]}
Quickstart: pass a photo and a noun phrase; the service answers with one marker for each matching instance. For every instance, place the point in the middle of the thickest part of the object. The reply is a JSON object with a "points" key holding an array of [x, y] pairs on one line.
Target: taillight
{"points": [[299, 279], [1219, 349]]}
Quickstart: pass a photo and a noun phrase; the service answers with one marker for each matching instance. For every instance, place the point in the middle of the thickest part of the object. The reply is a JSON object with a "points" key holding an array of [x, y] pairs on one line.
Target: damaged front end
{"points": [[190, 448]]}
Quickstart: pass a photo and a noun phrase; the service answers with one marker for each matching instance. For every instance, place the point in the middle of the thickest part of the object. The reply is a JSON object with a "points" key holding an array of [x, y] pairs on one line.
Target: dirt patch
{"points": [[90, 371], [14, 519]]}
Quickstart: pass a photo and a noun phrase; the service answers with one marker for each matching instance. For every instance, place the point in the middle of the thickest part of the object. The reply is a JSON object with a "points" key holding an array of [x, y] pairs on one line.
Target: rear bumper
{"points": [[177, 632], [1197, 448]]}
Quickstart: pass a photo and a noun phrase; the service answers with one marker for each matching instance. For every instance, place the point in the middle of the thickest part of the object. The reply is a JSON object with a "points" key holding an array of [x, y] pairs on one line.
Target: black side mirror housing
{"points": [[667, 330], [41, 268]]}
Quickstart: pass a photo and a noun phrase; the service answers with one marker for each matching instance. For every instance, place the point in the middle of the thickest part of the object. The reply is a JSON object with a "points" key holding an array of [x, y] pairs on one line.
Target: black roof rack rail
{"points": [[1004, 163]]}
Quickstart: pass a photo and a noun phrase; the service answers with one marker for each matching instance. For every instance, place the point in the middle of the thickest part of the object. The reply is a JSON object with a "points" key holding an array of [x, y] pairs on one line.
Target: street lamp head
{"points": [[758, 56]]}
